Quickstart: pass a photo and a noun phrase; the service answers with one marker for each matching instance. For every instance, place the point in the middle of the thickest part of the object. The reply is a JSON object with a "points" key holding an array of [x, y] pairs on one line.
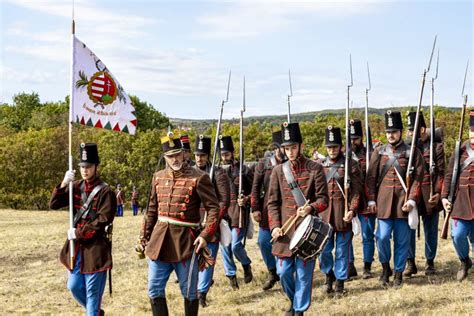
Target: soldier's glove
{"points": [[68, 177], [71, 234], [257, 216], [140, 248]]}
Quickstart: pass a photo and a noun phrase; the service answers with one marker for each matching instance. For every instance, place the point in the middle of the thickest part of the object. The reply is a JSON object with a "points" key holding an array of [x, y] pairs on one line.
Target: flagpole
{"points": [[71, 102]]}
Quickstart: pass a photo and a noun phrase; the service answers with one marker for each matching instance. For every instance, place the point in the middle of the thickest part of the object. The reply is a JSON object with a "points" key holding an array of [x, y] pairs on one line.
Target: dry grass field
{"points": [[33, 282]]}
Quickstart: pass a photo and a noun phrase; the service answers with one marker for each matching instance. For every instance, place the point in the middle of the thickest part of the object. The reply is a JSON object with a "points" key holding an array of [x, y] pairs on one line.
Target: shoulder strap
{"points": [[469, 159], [295, 189], [87, 205], [392, 161]]}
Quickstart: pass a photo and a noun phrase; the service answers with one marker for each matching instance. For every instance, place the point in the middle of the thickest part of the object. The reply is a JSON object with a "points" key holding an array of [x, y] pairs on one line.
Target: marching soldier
{"points": [[429, 207], [134, 201], [367, 219], [296, 275], [386, 195], [261, 181], [238, 213], [462, 210], [187, 150], [221, 185], [94, 210], [336, 266], [120, 200], [171, 235]]}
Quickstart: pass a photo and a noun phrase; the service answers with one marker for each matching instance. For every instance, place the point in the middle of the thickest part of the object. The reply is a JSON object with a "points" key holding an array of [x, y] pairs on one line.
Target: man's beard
{"points": [[176, 167]]}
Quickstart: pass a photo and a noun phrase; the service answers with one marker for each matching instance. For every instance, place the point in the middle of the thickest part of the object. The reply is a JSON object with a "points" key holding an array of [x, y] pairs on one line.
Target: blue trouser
{"points": [[120, 210], [460, 231], [401, 241], [235, 248], [159, 273], [87, 289], [367, 223], [205, 277], [340, 263], [264, 237], [135, 209], [296, 277], [430, 228]]}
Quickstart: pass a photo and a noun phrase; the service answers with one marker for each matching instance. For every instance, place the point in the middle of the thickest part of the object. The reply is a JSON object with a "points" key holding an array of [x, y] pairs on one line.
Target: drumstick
{"points": [[284, 227]]}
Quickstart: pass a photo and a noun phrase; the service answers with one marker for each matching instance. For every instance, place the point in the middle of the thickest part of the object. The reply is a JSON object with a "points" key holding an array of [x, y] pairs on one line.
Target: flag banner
{"points": [[98, 98]]}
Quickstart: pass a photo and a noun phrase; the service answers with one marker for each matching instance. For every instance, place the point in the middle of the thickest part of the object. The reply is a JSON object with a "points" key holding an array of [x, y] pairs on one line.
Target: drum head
{"points": [[299, 232]]}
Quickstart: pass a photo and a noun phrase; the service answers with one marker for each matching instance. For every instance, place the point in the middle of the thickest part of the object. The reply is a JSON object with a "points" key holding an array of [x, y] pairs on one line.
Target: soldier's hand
{"points": [[433, 201], [277, 232], [71, 234], [201, 243], [372, 208], [348, 217], [241, 201], [304, 210], [68, 177], [447, 205], [408, 207], [257, 216]]}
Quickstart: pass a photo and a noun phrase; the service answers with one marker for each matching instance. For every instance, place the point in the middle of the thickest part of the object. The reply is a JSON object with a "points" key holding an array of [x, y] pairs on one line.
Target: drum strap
{"points": [[295, 189]]}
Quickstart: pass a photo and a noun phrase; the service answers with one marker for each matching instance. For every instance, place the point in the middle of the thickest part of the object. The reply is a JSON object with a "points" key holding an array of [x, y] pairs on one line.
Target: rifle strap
{"points": [[295, 189]]}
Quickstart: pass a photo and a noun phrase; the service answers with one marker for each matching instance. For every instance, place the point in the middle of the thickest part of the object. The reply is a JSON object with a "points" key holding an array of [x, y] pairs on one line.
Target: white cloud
{"points": [[252, 18], [33, 77]]}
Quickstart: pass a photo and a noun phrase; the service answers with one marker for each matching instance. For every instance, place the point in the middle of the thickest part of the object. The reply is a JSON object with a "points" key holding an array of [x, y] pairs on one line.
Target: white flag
{"points": [[98, 99]]}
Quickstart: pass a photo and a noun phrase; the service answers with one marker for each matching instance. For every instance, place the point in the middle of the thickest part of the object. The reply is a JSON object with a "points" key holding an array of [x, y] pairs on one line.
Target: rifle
{"points": [[456, 171], [411, 168], [347, 180], [432, 135], [241, 167], [218, 130], [368, 136], [289, 96]]}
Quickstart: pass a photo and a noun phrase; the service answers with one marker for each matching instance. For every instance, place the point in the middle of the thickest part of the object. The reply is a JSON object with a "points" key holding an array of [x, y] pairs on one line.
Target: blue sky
{"points": [[177, 54]]}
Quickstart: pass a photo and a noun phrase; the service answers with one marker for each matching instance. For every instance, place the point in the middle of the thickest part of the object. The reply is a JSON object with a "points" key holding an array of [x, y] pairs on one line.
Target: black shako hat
{"points": [[171, 144], [291, 134], [393, 121], [411, 117], [276, 138], [203, 145], [226, 144], [333, 136], [89, 154], [355, 128]]}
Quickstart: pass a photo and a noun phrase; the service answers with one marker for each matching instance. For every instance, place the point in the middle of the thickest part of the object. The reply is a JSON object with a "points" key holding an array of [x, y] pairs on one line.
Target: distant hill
{"points": [[296, 117]]}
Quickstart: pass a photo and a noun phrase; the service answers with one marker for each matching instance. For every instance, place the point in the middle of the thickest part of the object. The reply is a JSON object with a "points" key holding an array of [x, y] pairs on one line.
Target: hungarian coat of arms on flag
{"points": [[98, 98]]}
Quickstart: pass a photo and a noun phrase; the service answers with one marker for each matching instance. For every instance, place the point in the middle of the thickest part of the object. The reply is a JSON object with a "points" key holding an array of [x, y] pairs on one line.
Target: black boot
{"points": [[430, 269], [271, 280], [390, 272], [202, 299], [158, 306], [398, 280], [101, 312], [191, 308], [466, 264], [411, 268], [340, 288], [330, 278], [352, 273], [233, 282], [289, 311], [384, 278], [299, 313], [248, 276], [367, 270]]}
